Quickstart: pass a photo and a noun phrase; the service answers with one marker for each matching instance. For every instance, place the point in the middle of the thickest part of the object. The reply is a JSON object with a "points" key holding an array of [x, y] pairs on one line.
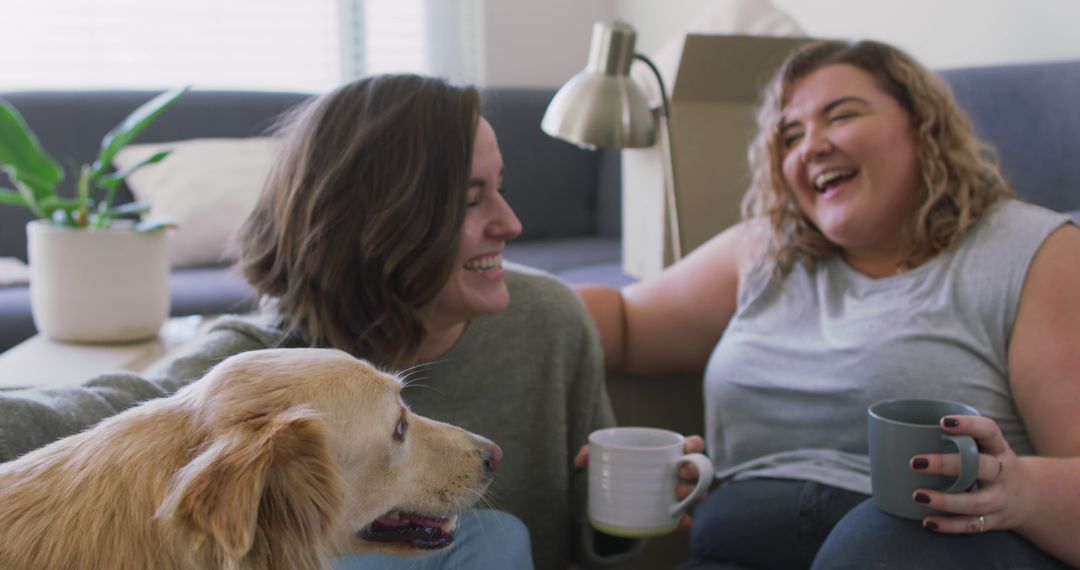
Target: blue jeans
{"points": [[781, 524], [868, 538], [484, 540]]}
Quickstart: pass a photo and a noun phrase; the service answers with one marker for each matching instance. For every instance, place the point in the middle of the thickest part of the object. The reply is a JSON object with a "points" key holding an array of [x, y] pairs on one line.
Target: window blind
{"points": [[302, 45]]}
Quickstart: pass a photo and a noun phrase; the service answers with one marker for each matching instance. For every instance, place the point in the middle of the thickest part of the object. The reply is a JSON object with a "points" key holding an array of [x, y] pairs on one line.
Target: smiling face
{"points": [[476, 285], [849, 157]]}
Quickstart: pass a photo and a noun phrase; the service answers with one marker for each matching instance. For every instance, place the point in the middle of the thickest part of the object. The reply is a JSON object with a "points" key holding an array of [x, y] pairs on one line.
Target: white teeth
{"points": [[449, 525], [488, 263], [823, 179]]}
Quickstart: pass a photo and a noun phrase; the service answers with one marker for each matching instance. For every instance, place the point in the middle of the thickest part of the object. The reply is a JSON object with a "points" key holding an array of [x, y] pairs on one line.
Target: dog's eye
{"points": [[399, 431]]}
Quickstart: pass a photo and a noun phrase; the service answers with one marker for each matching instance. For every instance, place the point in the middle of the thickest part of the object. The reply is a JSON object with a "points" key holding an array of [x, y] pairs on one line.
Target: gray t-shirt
{"points": [[788, 384]]}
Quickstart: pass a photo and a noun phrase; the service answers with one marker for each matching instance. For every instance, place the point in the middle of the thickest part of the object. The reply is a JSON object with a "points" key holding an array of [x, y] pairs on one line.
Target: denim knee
{"points": [[493, 539], [868, 538], [767, 523]]}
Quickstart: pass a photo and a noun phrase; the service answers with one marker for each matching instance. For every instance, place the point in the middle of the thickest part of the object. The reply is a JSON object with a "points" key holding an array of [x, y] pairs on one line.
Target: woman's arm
{"points": [[1036, 496], [1044, 370], [670, 323]]}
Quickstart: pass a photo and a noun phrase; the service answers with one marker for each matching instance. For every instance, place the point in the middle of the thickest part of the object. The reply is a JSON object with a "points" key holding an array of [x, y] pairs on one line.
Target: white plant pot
{"points": [[97, 286]]}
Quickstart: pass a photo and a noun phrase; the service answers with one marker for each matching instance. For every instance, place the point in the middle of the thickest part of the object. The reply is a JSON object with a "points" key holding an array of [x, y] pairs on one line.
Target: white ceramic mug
{"points": [[633, 472]]}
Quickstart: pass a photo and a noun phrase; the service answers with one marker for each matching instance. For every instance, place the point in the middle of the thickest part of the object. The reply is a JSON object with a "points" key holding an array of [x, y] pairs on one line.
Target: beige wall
{"points": [[541, 43], [538, 43], [940, 33]]}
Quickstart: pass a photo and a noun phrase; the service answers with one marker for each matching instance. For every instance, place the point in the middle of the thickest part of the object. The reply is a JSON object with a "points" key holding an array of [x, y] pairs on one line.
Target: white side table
{"points": [[39, 361]]}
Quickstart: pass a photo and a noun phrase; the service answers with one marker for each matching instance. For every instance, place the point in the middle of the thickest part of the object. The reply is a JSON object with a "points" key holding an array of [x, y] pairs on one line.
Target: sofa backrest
{"points": [[558, 190], [1029, 112]]}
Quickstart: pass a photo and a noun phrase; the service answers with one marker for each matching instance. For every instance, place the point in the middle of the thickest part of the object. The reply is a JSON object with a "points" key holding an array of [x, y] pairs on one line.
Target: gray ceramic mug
{"points": [[901, 429]]}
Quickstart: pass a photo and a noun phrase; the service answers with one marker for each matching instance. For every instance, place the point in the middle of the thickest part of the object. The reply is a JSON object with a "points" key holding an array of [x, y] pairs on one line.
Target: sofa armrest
{"points": [[673, 403]]}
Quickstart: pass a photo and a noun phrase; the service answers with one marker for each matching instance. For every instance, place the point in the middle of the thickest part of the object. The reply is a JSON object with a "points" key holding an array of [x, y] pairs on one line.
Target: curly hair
{"points": [[960, 178], [358, 221]]}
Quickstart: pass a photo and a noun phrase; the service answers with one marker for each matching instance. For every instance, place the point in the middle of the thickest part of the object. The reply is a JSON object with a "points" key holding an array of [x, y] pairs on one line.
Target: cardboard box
{"points": [[716, 91]]}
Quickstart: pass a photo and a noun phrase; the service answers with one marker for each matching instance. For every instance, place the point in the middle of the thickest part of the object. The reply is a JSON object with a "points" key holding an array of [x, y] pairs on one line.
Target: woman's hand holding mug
{"points": [[632, 456], [999, 501]]}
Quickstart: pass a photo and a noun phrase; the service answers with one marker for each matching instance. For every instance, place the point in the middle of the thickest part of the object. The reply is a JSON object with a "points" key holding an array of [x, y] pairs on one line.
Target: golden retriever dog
{"points": [[284, 458]]}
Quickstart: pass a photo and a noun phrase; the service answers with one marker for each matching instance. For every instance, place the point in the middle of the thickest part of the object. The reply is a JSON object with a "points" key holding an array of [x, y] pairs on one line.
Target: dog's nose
{"points": [[492, 457]]}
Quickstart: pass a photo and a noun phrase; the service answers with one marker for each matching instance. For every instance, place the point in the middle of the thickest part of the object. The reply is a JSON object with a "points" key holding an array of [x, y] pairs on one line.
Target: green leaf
{"points": [[22, 157], [98, 221], [129, 128], [154, 225], [11, 197], [111, 181], [130, 208], [82, 194], [56, 202], [29, 198], [50, 206]]}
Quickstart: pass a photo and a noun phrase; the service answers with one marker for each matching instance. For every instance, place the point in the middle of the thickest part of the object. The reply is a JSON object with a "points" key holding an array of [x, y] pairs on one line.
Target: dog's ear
{"points": [[277, 477]]}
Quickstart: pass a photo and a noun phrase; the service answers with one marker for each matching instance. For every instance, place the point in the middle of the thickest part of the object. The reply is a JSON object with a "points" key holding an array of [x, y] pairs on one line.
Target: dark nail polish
{"points": [[922, 498], [919, 463], [931, 525], [951, 422]]}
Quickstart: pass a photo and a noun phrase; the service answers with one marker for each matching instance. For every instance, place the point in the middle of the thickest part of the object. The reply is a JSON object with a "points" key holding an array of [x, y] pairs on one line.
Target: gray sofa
{"points": [[567, 198]]}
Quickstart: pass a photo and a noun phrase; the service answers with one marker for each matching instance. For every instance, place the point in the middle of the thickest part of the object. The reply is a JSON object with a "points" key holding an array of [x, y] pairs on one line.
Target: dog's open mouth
{"points": [[417, 531]]}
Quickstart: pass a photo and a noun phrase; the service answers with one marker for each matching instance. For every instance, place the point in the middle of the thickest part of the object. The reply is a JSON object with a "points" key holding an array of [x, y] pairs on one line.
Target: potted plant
{"points": [[98, 271]]}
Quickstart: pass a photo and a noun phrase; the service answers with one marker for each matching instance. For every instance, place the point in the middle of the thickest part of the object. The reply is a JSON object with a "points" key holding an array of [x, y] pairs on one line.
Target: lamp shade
{"points": [[601, 106]]}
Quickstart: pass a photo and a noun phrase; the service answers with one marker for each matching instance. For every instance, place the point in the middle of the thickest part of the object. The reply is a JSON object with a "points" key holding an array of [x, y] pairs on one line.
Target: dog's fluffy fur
{"points": [[276, 459]]}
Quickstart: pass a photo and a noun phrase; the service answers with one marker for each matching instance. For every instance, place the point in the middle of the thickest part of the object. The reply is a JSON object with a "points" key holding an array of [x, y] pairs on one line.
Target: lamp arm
{"points": [[669, 161]]}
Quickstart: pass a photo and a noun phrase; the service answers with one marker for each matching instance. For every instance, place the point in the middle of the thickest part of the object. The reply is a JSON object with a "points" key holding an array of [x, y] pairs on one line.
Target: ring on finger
{"points": [[981, 520]]}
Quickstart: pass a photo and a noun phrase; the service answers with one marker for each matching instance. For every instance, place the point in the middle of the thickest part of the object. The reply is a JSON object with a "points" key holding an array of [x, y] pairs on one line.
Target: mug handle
{"points": [[705, 478], [969, 462]]}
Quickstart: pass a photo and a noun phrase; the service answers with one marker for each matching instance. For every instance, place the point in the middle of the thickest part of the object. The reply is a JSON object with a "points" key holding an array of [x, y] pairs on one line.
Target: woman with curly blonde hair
{"points": [[881, 256], [960, 179]]}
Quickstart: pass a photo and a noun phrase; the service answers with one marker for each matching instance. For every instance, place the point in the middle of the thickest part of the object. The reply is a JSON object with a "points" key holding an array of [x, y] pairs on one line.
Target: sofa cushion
{"points": [[574, 260], [13, 271], [209, 291], [16, 322], [207, 187]]}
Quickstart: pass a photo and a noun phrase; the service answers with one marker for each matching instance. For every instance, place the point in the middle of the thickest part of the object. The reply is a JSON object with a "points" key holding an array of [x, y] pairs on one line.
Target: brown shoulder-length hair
{"points": [[960, 179], [358, 221]]}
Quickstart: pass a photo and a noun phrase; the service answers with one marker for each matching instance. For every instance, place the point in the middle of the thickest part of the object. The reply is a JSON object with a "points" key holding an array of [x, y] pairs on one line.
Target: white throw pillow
{"points": [[206, 187]]}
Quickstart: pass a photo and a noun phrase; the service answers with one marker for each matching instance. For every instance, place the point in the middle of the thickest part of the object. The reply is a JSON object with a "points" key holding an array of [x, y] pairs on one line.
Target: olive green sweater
{"points": [[530, 378]]}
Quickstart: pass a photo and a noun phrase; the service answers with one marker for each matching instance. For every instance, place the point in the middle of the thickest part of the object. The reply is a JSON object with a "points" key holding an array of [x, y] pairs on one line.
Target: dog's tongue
{"points": [[398, 520]]}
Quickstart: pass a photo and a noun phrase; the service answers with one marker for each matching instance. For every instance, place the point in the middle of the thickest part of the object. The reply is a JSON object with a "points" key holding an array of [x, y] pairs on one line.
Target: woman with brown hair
{"points": [[380, 232], [880, 256]]}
